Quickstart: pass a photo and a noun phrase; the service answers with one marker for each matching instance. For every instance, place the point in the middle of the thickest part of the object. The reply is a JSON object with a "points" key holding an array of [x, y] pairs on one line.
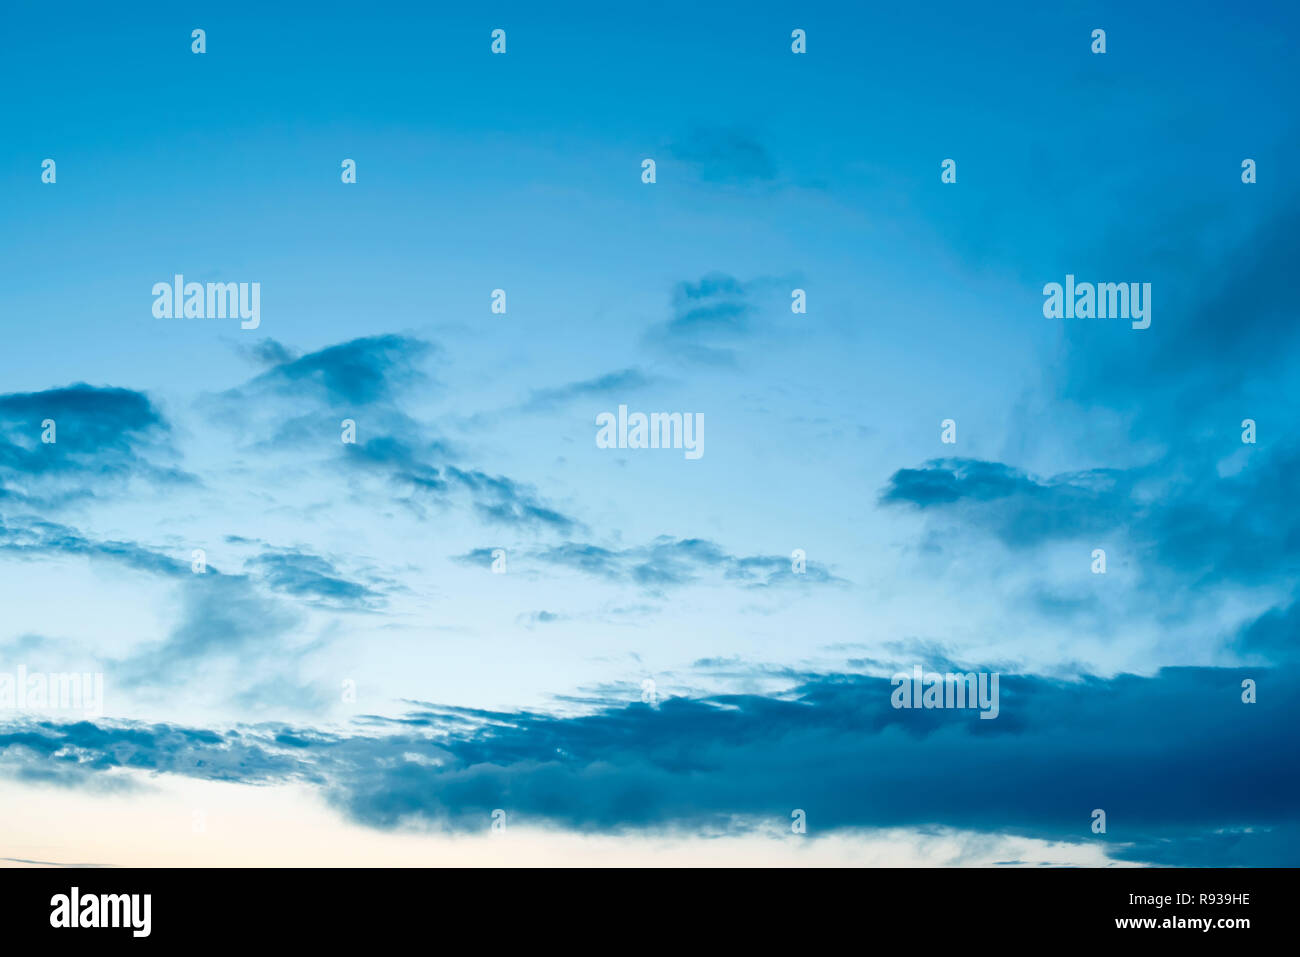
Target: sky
{"points": [[364, 587]]}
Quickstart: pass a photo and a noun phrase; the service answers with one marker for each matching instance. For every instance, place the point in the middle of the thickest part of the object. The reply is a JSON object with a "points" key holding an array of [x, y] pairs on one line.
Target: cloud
{"points": [[725, 155], [103, 437], [833, 746], [715, 303], [621, 382], [1019, 509], [496, 499], [1222, 321], [266, 352], [224, 620], [78, 753], [710, 318], [364, 379], [667, 562], [543, 617], [505, 502], [355, 373], [224, 617], [1273, 636], [292, 571], [611, 385], [34, 539], [403, 462], [478, 557], [1180, 514], [311, 577]]}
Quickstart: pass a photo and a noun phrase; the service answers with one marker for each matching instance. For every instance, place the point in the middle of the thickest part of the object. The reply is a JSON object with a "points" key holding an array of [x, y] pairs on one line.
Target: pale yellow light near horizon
{"points": [[153, 825]]}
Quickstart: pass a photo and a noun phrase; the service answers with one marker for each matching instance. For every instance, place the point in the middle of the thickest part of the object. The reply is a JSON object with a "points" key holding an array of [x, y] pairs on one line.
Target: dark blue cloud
{"points": [[1273, 636], [405, 463], [504, 501], [224, 618], [302, 574], [103, 437], [358, 372], [77, 754], [1020, 509], [1186, 520], [1186, 772], [1222, 322]]}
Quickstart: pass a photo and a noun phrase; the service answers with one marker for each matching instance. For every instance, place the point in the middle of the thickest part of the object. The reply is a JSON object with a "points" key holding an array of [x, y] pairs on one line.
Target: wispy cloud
{"points": [[668, 562], [725, 155], [354, 373], [711, 318], [1180, 510], [365, 380], [80, 442], [314, 578], [622, 382]]}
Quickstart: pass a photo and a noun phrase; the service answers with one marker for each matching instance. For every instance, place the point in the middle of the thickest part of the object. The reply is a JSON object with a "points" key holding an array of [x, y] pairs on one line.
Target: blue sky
{"points": [[369, 564]]}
